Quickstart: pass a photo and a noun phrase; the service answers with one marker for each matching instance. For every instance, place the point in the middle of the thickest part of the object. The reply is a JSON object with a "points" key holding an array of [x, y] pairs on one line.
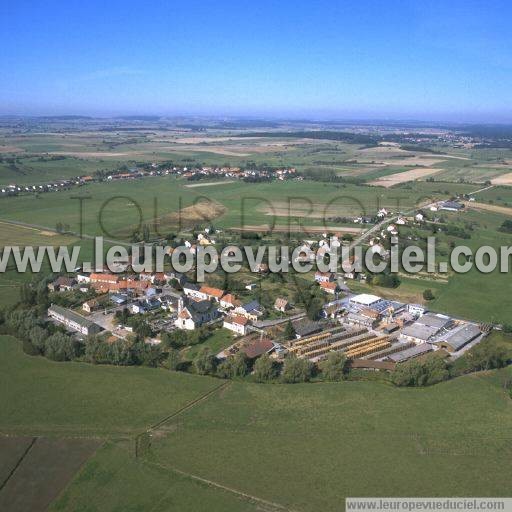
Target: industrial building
{"points": [[458, 338], [73, 320], [426, 327]]}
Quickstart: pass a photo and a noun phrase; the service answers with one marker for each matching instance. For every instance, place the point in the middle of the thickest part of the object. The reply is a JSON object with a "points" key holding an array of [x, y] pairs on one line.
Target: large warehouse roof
{"points": [[457, 338], [365, 298]]}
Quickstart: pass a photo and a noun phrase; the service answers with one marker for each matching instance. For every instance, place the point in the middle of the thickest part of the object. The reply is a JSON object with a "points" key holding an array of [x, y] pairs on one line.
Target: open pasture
{"points": [[115, 209], [13, 234], [80, 399], [306, 447]]}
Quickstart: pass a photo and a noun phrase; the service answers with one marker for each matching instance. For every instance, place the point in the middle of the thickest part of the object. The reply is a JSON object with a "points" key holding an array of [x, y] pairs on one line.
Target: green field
{"points": [[42, 397], [306, 447], [123, 205], [231, 446], [302, 447]]}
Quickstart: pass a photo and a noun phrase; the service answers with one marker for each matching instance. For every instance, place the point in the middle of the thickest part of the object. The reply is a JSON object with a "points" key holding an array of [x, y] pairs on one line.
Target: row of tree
{"points": [[432, 368], [265, 369]]}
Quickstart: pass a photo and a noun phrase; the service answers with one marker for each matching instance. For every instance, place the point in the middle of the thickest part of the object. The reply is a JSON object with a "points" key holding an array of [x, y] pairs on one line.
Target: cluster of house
{"points": [[152, 170], [144, 292], [201, 304]]}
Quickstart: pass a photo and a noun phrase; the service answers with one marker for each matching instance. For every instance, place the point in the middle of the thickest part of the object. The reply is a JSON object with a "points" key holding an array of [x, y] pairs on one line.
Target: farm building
{"points": [[426, 327], [62, 283], [306, 327], [251, 310], [457, 338], [207, 293], [451, 206], [410, 353], [73, 320], [256, 348]]}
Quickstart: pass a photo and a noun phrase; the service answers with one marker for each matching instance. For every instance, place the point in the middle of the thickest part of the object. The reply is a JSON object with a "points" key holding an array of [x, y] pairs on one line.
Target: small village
{"points": [[149, 170], [371, 332]]}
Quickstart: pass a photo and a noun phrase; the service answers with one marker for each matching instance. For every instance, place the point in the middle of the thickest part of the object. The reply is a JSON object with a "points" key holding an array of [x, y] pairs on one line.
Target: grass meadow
{"points": [[306, 447], [41, 397]]}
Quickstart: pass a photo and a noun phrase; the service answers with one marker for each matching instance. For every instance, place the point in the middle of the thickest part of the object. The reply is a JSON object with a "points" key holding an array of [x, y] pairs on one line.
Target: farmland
{"points": [[92, 400], [236, 449], [237, 445]]}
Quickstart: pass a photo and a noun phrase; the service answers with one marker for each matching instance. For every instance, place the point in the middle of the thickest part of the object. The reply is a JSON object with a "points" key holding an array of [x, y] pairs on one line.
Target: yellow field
{"points": [[504, 210], [505, 179], [402, 177]]}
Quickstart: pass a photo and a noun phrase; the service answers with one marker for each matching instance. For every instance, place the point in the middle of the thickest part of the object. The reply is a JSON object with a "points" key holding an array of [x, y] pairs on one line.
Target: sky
{"points": [[325, 59]]}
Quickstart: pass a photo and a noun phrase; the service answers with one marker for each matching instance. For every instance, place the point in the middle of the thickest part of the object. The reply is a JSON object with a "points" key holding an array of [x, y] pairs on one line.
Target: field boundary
{"points": [[211, 483], [18, 464], [143, 438]]}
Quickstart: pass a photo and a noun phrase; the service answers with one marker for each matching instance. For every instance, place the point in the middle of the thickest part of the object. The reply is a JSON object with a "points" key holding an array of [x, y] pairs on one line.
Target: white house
{"points": [[237, 324]]}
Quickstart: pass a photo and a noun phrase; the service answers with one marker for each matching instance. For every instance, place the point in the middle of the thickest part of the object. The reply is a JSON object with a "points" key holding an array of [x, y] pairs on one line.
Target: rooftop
{"points": [[365, 298], [71, 315]]}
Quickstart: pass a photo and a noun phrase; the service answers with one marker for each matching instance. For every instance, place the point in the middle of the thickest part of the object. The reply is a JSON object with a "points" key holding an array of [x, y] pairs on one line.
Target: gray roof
{"points": [[433, 320], [460, 337], [251, 306], [416, 351], [305, 327], [420, 332], [71, 315], [452, 205]]}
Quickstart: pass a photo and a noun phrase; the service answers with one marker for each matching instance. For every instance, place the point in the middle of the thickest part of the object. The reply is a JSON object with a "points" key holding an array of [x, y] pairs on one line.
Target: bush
{"points": [[296, 370], [265, 369], [333, 367], [420, 372], [428, 294], [30, 349]]}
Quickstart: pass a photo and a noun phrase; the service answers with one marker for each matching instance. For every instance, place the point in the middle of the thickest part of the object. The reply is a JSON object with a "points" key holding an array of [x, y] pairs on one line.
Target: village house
{"points": [[237, 324], [62, 284], [90, 305], [324, 277], [208, 292], [229, 301], [281, 304], [193, 314], [251, 310], [330, 287], [191, 290]]}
